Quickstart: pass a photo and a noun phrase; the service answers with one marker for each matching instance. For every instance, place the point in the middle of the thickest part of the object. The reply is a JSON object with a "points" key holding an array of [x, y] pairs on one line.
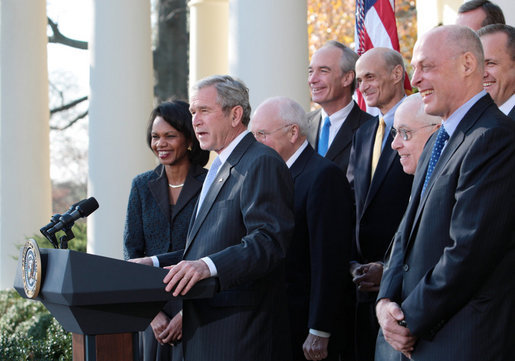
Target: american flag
{"points": [[376, 27]]}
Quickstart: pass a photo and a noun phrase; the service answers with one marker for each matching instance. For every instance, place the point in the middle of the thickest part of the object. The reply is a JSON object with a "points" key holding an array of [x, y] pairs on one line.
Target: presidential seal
{"points": [[31, 268]]}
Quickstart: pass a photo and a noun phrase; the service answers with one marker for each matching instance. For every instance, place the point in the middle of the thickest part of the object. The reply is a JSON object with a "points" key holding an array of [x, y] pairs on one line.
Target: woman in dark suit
{"points": [[160, 205]]}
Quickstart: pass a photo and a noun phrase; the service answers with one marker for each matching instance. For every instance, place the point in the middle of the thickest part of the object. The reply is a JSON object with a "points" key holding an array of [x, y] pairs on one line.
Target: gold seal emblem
{"points": [[31, 268]]}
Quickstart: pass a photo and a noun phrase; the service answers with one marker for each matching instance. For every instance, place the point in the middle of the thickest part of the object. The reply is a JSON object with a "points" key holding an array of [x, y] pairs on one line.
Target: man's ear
{"points": [[294, 132], [397, 73], [348, 78], [468, 63], [236, 115]]}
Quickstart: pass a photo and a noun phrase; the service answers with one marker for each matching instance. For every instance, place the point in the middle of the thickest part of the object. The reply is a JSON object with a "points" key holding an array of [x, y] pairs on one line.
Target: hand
{"points": [[143, 260], [389, 314], [185, 275], [315, 347], [368, 276], [159, 324], [173, 332]]}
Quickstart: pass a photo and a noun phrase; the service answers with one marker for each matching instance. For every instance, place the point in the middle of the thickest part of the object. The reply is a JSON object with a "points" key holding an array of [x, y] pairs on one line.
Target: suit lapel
{"points": [[298, 166], [452, 145], [365, 158], [386, 160], [159, 190], [314, 119], [343, 138], [191, 187], [221, 178]]}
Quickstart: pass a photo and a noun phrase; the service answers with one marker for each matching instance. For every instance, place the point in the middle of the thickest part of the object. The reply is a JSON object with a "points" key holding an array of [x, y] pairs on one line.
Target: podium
{"points": [[103, 301]]}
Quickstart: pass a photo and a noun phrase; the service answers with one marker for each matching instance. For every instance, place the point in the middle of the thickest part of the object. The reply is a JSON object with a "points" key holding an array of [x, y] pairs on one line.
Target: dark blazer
{"points": [[244, 225], [339, 150], [451, 267], [381, 203], [148, 230], [511, 114], [318, 283]]}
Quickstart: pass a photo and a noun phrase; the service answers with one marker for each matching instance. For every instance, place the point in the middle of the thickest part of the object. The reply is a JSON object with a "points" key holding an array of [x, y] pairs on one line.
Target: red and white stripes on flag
{"points": [[376, 27]]}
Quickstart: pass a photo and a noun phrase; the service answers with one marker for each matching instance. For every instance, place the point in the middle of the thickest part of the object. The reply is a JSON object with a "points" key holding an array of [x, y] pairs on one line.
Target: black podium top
{"points": [[90, 294]]}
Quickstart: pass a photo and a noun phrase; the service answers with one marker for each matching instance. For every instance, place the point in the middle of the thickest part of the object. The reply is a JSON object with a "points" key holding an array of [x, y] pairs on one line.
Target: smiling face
{"points": [[168, 144], [213, 127], [328, 84], [499, 77], [377, 82], [419, 128], [436, 75]]}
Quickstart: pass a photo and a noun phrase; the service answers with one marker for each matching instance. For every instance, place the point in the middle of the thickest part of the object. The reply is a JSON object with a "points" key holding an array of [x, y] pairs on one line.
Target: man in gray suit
{"points": [[239, 234], [447, 292], [498, 42], [331, 79]]}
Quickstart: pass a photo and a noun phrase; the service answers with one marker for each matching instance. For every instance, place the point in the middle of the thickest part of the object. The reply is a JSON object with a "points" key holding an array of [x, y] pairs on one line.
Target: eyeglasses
{"points": [[262, 134], [405, 133]]}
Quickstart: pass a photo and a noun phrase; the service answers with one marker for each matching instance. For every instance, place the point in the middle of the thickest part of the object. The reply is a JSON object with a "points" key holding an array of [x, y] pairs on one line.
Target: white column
{"points": [[25, 191], [121, 101], [209, 29], [268, 48]]}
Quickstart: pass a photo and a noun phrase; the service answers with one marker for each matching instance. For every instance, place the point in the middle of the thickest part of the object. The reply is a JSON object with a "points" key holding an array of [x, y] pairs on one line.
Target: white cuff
{"points": [[155, 261], [211, 265], [319, 333]]}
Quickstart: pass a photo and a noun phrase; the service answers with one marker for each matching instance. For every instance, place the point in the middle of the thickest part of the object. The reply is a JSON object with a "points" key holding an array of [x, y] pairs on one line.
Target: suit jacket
{"points": [[380, 203], [318, 284], [339, 150], [149, 228], [451, 267], [244, 225]]}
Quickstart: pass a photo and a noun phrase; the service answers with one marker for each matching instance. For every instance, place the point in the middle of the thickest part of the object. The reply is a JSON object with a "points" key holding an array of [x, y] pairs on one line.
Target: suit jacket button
{"points": [[405, 268]]}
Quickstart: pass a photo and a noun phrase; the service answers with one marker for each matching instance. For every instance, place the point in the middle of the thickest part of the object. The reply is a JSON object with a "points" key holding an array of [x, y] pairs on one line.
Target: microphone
{"points": [[55, 218], [81, 209]]}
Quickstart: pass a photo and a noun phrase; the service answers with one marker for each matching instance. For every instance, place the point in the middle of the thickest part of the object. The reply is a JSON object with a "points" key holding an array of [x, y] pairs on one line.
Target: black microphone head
{"points": [[87, 206]]}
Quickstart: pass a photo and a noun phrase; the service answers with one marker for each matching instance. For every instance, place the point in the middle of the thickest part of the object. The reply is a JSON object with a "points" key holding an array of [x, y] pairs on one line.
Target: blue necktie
{"points": [[441, 138], [323, 140], [209, 180]]}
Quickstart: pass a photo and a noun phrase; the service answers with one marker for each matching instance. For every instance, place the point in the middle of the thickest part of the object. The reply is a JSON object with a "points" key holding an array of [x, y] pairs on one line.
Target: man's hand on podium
{"points": [[185, 275]]}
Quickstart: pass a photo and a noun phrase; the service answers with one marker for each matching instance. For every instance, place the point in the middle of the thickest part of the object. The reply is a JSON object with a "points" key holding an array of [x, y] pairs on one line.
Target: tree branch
{"points": [[73, 121], [59, 38], [69, 105]]}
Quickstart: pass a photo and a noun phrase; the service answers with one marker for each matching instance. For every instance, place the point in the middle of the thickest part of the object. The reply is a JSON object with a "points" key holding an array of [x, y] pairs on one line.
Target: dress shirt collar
{"points": [[224, 154], [297, 154], [452, 122], [337, 119], [508, 105]]}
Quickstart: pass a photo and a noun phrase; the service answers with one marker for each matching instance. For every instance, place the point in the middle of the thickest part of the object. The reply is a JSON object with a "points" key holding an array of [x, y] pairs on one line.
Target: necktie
{"points": [[323, 141], [209, 180], [441, 138], [378, 142]]}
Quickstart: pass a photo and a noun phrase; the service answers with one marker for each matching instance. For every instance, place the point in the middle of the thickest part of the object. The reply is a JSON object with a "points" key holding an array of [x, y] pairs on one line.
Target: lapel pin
{"points": [[220, 180]]}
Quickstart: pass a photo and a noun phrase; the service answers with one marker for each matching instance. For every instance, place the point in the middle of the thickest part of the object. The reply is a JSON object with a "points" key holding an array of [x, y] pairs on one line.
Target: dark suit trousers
{"points": [[367, 326]]}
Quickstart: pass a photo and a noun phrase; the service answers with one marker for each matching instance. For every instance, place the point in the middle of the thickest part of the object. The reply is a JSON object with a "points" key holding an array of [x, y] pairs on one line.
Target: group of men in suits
{"points": [[284, 231]]}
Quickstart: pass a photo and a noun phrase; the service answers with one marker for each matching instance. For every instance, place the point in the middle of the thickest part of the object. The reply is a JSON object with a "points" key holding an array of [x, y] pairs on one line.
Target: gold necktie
{"points": [[377, 146]]}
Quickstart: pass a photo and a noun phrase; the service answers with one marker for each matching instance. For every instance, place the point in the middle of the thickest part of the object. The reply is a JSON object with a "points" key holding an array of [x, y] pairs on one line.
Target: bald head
{"points": [[380, 76], [448, 68], [280, 123]]}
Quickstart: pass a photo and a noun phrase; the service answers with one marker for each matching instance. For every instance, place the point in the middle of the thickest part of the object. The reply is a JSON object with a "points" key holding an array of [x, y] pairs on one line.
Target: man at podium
{"points": [[239, 233]]}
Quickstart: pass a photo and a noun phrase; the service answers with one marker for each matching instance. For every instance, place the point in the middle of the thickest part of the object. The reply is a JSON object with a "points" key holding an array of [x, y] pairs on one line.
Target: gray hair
{"points": [[231, 92], [347, 60], [393, 58], [289, 111]]}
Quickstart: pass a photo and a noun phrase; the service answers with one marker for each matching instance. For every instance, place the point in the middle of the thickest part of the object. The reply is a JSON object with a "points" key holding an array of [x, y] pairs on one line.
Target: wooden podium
{"points": [[103, 301]]}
